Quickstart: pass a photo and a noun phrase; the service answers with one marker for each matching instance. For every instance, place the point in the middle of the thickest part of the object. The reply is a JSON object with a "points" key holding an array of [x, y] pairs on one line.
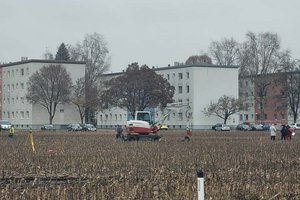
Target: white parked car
{"points": [[224, 127], [5, 125], [295, 125]]}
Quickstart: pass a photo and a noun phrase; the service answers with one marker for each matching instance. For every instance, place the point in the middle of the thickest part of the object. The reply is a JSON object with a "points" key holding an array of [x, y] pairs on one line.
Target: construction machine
{"points": [[142, 127]]}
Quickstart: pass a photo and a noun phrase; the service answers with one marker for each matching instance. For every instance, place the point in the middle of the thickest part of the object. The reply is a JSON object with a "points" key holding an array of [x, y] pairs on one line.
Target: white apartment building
{"points": [[196, 85], [14, 105]]}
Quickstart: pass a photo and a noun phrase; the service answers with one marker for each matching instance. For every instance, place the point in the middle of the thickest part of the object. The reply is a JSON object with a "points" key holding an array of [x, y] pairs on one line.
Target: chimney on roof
{"points": [[24, 58], [169, 65]]}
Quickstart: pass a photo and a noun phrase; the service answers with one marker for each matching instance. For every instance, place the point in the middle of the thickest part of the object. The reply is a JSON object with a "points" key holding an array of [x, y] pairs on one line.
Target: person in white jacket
{"points": [[273, 132]]}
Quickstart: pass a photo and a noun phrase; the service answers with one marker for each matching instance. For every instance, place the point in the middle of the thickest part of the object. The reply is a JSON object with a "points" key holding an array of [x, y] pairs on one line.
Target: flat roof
{"points": [[40, 61]]}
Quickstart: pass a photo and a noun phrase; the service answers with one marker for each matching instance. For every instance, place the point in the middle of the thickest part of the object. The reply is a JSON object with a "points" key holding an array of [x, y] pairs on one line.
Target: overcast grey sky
{"points": [[152, 32]]}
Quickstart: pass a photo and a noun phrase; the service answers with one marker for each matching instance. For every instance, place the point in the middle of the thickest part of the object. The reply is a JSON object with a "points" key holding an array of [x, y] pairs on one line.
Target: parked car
{"points": [[5, 125], [216, 125], [164, 127], [74, 127], [88, 127], [223, 127], [47, 127], [295, 125], [256, 127], [243, 127], [266, 127]]}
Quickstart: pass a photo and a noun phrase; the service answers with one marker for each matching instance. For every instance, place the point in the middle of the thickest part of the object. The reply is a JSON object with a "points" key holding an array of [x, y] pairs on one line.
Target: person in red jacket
{"points": [[290, 132], [188, 134]]}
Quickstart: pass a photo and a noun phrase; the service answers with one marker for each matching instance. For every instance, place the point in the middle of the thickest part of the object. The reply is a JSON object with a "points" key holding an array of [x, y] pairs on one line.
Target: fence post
{"points": [[200, 184]]}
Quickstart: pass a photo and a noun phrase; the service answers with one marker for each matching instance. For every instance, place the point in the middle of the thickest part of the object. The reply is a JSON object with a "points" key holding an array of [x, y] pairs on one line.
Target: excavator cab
{"points": [[143, 116]]}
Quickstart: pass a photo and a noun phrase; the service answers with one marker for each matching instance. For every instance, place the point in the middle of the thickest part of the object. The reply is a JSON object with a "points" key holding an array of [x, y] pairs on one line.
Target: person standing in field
{"points": [[11, 131], [284, 132], [290, 132], [188, 134], [119, 131], [273, 132]]}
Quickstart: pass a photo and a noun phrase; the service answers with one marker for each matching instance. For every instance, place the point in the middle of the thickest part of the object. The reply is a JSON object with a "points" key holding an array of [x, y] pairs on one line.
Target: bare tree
{"points": [[198, 59], [224, 52], [49, 86], [224, 108], [79, 97], [93, 50], [291, 80], [260, 55]]}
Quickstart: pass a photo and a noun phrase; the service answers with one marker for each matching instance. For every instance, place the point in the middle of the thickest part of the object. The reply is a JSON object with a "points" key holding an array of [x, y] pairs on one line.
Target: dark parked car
{"points": [[257, 127], [266, 127], [243, 127], [88, 127], [214, 127], [47, 127], [74, 127]]}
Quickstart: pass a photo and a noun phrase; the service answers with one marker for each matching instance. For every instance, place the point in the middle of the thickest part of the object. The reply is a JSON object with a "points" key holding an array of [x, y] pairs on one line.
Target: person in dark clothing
{"points": [[284, 132], [119, 131]]}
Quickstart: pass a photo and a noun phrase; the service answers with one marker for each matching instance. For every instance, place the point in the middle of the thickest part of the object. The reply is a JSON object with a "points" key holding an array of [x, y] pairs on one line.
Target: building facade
{"points": [[14, 105], [196, 85], [265, 99]]}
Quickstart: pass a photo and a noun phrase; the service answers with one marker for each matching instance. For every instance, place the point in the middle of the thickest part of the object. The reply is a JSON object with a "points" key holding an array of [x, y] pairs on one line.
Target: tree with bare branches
{"points": [[260, 55], [224, 108], [224, 52], [94, 52], [49, 86]]}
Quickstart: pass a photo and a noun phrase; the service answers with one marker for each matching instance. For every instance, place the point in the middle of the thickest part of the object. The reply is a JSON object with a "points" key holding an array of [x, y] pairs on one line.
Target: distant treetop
{"points": [[62, 53], [198, 59]]}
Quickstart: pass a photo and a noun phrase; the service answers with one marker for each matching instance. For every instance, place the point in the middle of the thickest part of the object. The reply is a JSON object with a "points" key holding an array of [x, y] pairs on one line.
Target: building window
{"points": [[116, 117], [275, 116], [252, 116], [266, 116], [121, 117], [106, 117], [27, 70], [8, 115], [282, 116], [17, 114], [12, 115], [12, 73], [241, 117], [22, 85], [22, 114], [27, 114], [168, 76], [179, 75], [179, 89], [22, 100], [22, 72], [62, 110], [179, 100], [187, 89], [13, 100], [187, 75], [180, 116], [257, 116], [246, 117], [174, 75], [8, 74]]}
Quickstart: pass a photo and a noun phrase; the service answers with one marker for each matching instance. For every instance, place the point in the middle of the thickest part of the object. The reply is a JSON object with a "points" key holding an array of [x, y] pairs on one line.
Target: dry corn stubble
{"points": [[83, 165]]}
